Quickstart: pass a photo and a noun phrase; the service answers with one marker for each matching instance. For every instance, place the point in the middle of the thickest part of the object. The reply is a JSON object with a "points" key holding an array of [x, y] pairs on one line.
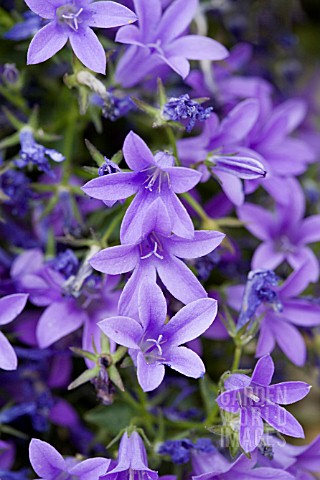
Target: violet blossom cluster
{"points": [[159, 249]]}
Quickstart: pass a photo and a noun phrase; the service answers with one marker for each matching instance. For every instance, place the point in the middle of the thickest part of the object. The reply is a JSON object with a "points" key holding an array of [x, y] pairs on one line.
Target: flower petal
{"points": [[263, 371], [90, 469], [152, 305], [289, 340], [281, 420], [45, 460], [185, 361], [123, 330], [43, 8], [257, 220], [266, 256], [197, 47], [88, 49], [176, 18], [310, 229], [46, 43], [178, 64], [228, 401], [150, 375], [286, 393], [251, 428], [11, 306], [128, 303], [191, 321], [182, 179], [109, 14], [181, 222], [115, 186], [204, 242], [136, 153], [8, 357], [114, 260], [149, 14]]}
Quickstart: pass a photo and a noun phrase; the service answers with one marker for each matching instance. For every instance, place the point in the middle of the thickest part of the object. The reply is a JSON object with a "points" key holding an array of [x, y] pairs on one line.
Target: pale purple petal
{"points": [[191, 321], [128, 304], [236, 381], [90, 469], [88, 49], [115, 186], [43, 8], [185, 361], [29, 261], [45, 460], [301, 256], [257, 220], [157, 219], [178, 63], [123, 330], [62, 413], [149, 375], [176, 19], [114, 260], [46, 43], [8, 357], [109, 14], [251, 428], [266, 341], [131, 230], [238, 123], [231, 185], [149, 15], [263, 371], [11, 306], [279, 418], [181, 222], [179, 280], [229, 401], [302, 312], [310, 229], [265, 256], [136, 153], [152, 305], [197, 47], [129, 34], [286, 393], [183, 179], [58, 320], [297, 282], [204, 242], [290, 341]]}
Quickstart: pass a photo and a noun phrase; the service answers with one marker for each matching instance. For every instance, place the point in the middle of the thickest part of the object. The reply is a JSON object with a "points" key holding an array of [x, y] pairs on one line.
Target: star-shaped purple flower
{"points": [[256, 400], [157, 253], [152, 177], [50, 465], [160, 40], [72, 20], [10, 307], [153, 342]]}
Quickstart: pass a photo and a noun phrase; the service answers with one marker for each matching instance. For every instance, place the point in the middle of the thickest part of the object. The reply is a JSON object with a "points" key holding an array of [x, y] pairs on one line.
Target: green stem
{"points": [[173, 143], [237, 358], [195, 205], [114, 223]]}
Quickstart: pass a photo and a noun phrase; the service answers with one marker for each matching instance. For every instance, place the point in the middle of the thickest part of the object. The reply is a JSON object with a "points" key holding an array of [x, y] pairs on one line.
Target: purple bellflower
{"points": [[34, 153], [152, 177], [215, 466], [154, 343], [256, 400], [157, 253], [72, 20], [132, 461], [10, 307], [50, 465], [159, 40], [285, 234], [70, 301], [219, 150]]}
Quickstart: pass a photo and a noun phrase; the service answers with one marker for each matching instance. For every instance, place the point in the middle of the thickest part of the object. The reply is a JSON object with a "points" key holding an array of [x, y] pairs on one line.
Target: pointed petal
{"points": [[114, 260], [238, 123], [290, 341], [302, 312], [197, 47], [45, 460], [137, 154], [11, 306], [176, 18], [204, 242], [58, 320], [43, 8], [179, 280], [266, 341], [229, 401], [301, 256], [281, 420], [29, 261], [265, 256], [185, 361], [46, 43], [90, 469], [149, 14], [263, 371], [8, 357], [157, 219], [131, 230], [191, 321], [297, 282], [310, 229], [115, 186], [231, 185], [149, 375], [128, 303], [181, 222], [88, 49], [236, 381], [129, 35], [107, 14], [251, 428], [182, 179], [257, 220], [123, 330], [286, 393], [179, 64], [152, 305]]}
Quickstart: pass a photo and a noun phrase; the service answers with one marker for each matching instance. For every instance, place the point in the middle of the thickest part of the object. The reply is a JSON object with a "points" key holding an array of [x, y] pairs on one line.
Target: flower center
{"points": [[285, 245], [152, 349], [156, 47], [70, 14], [151, 246]]}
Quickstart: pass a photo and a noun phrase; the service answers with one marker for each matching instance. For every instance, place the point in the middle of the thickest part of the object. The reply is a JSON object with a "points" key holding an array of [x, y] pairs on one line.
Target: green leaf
{"points": [[111, 419], [115, 377], [95, 154], [10, 141]]}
